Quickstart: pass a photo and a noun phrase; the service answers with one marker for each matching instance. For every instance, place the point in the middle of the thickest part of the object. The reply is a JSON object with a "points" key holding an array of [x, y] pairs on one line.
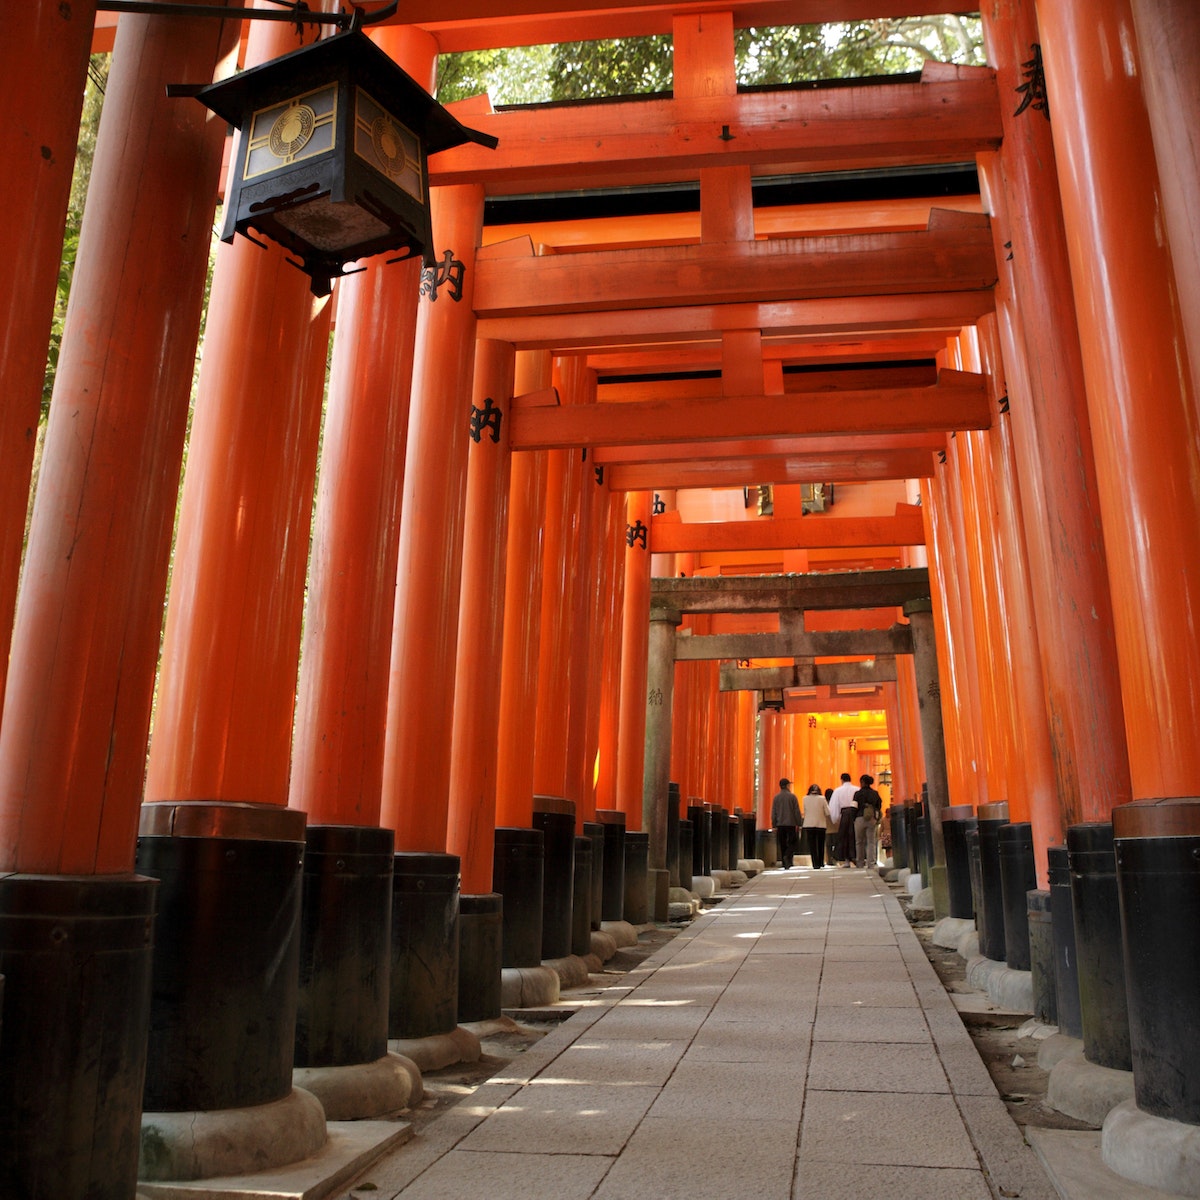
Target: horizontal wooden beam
{"points": [[860, 702], [958, 401], [835, 643], [815, 448], [952, 255], [487, 24], [797, 533], [775, 593], [686, 322], [948, 118], [842, 468], [733, 678]]}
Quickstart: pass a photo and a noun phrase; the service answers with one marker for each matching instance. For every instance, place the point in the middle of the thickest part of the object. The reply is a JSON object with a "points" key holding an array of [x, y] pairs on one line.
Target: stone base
{"points": [[572, 971], [914, 884], [1152, 1151], [349, 1150], [1055, 1048], [949, 931], [363, 1090], [439, 1049], [231, 1141], [1006, 988], [921, 905], [604, 946], [682, 904], [529, 987], [621, 932], [1082, 1090], [703, 886], [751, 866]]}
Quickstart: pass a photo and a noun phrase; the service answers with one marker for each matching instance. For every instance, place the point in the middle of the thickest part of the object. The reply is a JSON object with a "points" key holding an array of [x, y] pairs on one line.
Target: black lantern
{"points": [[332, 159]]}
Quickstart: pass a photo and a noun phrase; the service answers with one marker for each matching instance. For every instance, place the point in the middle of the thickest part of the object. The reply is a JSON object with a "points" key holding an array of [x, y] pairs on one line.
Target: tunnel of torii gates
{"points": [[964, 305]]}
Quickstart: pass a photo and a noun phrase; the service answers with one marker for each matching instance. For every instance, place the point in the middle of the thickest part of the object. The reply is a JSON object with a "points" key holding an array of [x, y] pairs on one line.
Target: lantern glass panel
{"points": [[388, 145], [297, 129], [331, 225]]}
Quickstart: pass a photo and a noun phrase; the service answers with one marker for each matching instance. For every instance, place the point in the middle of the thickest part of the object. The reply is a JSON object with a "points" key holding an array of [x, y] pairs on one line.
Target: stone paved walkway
{"points": [[793, 1043]]}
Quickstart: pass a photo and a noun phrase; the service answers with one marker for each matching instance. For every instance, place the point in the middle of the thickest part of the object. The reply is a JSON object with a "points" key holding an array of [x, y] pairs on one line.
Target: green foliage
{"points": [[767, 56], [89, 125]]}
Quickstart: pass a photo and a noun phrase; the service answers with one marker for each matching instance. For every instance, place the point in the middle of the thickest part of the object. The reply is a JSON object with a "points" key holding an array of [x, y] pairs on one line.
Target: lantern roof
{"points": [[351, 57]]}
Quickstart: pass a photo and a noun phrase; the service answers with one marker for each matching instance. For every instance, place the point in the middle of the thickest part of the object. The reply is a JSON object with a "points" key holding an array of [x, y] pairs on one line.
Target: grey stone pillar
{"points": [[929, 702], [656, 771]]}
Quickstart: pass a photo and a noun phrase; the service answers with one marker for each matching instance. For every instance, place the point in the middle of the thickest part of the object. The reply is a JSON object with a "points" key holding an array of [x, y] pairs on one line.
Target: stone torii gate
{"points": [[790, 596]]}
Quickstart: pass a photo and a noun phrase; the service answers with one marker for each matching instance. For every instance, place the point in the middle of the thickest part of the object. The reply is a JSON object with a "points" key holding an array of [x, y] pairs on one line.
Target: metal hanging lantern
{"points": [[332, 159]]}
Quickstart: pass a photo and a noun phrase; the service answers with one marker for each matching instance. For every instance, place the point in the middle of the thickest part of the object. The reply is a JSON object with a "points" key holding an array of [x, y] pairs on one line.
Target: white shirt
{"points": [[843, 797]]}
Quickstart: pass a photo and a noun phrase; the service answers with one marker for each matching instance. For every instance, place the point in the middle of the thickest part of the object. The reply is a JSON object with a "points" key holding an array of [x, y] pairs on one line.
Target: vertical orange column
{"points": [[603, 624], [1050, 428], [522, 615], [472, 810], [610, 691], [1139, 381], [585, 572], [560, 559], [958, 711], [745, 753], [81, 674], [43, 40], [635, 633], [1168, 34], [416, 773], [341, 705]]}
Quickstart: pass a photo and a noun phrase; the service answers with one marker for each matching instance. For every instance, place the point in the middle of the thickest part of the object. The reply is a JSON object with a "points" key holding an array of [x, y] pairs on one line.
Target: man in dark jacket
{"points": [[870, 808], [785, 817]]}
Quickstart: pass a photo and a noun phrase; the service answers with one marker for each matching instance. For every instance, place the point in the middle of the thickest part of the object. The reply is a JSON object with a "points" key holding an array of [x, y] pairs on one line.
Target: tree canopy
{"points": [[766, 56]]}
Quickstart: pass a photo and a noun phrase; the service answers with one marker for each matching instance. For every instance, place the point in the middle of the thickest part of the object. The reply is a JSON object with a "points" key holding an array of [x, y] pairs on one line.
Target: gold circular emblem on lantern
{"points": [[291, 131], [388, 142]]}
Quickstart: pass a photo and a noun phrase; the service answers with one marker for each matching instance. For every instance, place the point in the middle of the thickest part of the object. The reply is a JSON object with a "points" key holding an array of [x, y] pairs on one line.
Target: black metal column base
{"points": [[75, 954], [480, 948]]}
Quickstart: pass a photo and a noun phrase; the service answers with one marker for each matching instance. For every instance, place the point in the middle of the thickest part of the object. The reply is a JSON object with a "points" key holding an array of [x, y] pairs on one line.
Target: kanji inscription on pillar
{"points": [[655, 698], [488, 417], [446, 273], [1033, 90], [660, 505], [635, 534]]}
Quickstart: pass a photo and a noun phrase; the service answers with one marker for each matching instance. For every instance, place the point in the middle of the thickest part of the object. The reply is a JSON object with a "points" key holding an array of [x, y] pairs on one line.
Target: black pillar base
{"points": [[75, 970], [227, 953], [517, 876], [345, 946], [581, 906], [424, 985], [1018, 876], [554, 816], [1062, 924], [637, 896], [480, 951], [989, 913], [613, 902], [595, 831]]}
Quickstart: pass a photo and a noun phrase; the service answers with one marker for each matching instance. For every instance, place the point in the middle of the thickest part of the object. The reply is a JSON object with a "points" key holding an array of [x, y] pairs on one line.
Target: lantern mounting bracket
{"points": [[295, 11]]}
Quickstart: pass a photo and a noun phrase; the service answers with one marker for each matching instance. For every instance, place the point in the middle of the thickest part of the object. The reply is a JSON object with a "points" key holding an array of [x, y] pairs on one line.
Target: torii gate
{"points": [[790, 596]]}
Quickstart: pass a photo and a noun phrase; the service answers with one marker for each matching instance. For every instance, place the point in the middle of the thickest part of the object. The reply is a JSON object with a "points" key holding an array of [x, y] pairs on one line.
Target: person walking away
{"points": [[785, 817], [843, 808], [816, 817], [870, 806]]}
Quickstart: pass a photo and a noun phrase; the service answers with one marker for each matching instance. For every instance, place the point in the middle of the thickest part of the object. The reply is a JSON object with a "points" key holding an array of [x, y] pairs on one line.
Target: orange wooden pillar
{"points": [[42, 41], [1139, 382], [607, 521], [81, 674], [1050, 427], [416, 775], [560, 561], [481, 621], [610, 691], [635, 633], [522, 615], [1168, 35], [221, 751], [958, 713], [746, 799], [1033, 763]]}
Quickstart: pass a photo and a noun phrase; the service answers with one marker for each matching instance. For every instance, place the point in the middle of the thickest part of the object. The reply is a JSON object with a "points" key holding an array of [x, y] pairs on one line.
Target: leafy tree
{"points": [[93, 101], [765, 56]]}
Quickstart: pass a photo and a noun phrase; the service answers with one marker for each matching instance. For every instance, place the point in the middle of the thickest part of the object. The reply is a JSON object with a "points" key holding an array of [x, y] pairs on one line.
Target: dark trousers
{"points": [[815, 835], [845, 835], [785, 835]]}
